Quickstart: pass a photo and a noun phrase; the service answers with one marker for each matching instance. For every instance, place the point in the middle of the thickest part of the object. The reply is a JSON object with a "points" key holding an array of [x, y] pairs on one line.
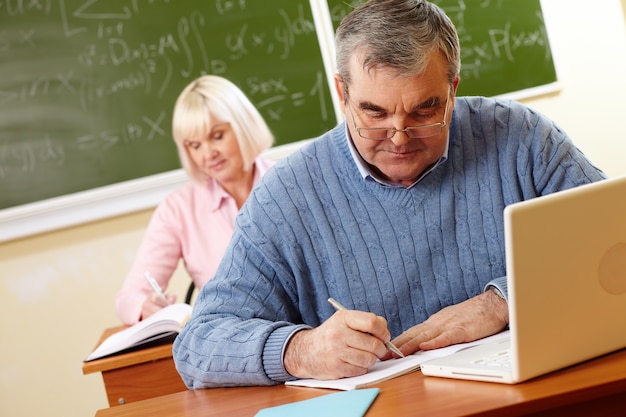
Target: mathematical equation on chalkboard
{"points": [[87, 87]]}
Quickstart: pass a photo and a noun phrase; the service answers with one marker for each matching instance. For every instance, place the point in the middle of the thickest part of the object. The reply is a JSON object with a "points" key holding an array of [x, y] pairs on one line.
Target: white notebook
{"points": [[566, 268], [161, 327]]}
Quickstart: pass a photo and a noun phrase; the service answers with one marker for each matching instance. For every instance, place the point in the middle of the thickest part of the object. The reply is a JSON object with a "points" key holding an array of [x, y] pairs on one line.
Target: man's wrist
{"points": [[292, 354], [496, 291]]}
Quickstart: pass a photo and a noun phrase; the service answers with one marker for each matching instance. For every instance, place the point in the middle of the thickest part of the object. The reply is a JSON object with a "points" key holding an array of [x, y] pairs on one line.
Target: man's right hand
{"points": [[345, 345]]}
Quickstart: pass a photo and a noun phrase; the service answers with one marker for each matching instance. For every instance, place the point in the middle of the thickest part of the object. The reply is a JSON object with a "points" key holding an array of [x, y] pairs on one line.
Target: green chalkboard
{"points": [[87, 87], [504, 43]]}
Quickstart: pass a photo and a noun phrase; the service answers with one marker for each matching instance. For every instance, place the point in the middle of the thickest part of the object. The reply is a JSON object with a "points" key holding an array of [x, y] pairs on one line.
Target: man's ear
{"points": [[341, 88], [455, 84]]}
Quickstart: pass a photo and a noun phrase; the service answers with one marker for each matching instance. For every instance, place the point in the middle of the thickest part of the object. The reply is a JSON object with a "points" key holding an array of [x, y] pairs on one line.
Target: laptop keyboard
{"points": [[502, 359]]}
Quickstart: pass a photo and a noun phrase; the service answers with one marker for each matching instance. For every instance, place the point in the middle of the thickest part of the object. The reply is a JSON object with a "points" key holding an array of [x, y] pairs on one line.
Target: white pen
{"points": [[338, 306], [155, 286]]}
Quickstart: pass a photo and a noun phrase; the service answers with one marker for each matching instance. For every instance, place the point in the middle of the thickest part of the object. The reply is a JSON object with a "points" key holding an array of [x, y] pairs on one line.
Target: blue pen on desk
{"points": [[338, 306], [155, 286]]}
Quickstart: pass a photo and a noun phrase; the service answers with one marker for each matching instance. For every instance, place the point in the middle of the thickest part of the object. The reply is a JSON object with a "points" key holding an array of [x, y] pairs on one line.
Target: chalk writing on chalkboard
{"points": [[87, 87]]}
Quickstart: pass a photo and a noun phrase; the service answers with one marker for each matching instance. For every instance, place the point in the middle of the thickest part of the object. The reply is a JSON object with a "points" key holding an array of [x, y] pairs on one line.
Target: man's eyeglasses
{"points": [[413, 132]]}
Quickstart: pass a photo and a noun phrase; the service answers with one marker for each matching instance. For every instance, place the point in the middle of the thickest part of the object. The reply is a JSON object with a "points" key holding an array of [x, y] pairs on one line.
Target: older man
{"points": [[397, 213]]}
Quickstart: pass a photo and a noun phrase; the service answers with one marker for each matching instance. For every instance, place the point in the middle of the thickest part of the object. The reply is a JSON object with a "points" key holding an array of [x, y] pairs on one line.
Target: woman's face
{"points": [[217, 154]]}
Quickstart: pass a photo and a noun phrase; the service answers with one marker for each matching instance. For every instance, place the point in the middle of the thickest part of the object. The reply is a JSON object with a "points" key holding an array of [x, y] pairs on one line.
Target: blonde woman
{"points": [[220, 136]]}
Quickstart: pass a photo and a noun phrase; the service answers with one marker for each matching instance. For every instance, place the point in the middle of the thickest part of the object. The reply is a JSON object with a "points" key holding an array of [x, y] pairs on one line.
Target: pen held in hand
{"points": [[338, 306], [155, 286]]}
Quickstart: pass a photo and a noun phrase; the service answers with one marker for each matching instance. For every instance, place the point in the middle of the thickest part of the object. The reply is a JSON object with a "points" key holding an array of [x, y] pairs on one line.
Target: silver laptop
{"points": [[566, 263]]}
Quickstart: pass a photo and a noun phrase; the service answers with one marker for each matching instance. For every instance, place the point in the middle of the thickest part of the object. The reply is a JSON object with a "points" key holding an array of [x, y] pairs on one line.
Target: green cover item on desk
{"points": [[352, 403]]}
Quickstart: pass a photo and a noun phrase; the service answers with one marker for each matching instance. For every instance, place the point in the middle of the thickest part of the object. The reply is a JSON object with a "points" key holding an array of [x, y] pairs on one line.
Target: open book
{"points": [[384, 370], [161, 327]]}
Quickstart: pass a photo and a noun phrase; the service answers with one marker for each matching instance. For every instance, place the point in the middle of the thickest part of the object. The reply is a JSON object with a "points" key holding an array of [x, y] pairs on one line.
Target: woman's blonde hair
{"points": [[211, 96]]}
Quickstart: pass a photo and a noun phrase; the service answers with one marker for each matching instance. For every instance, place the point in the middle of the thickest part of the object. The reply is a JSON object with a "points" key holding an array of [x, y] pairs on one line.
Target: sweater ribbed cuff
{"points": [[501, 284], [273, 352]]}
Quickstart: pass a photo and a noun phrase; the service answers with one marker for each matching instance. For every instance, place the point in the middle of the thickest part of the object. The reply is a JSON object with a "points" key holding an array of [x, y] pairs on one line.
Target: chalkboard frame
{"points": [[145, 193]]}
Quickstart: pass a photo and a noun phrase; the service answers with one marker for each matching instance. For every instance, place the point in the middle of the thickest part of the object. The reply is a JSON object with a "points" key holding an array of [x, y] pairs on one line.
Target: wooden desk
{"points": [[595, 388], [138, 375]]}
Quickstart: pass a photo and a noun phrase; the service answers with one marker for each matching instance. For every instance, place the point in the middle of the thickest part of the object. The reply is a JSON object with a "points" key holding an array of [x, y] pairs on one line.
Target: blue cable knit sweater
{"points": [[314, 228]]}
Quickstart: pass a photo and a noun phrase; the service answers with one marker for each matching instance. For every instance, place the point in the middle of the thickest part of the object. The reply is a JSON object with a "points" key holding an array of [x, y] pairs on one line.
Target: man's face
{"points": [[380, 99]]}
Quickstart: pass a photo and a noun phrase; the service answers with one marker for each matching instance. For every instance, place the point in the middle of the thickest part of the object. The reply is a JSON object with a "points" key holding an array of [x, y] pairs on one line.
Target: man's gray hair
{"points": [[398, 34]]}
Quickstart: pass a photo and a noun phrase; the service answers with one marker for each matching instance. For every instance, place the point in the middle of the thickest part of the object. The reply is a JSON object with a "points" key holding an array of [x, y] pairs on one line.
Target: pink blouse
{"points": [[195, 224]]}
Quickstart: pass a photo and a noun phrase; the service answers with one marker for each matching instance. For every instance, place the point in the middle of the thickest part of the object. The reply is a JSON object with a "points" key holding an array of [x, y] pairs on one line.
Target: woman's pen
{"points": [[338, 306], [155, 286]]}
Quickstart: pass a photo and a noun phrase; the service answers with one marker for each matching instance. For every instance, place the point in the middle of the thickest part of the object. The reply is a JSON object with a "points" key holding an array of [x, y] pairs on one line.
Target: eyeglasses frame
{"points": [[407, 129]]}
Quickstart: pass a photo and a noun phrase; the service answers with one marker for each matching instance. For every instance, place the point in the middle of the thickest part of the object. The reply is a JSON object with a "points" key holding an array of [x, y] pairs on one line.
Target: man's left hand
{"points": [[481, 316]]}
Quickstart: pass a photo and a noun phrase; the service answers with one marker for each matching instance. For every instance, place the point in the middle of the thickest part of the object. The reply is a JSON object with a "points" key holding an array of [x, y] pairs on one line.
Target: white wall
{"points": [[589, 47], [57, 289]]}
